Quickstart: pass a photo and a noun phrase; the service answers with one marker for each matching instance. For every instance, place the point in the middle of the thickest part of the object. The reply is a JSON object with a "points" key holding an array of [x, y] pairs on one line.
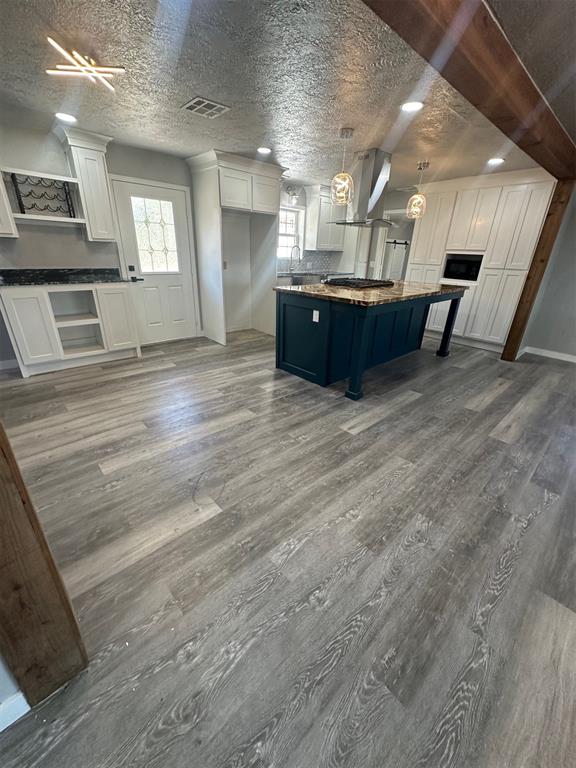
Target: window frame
{"points": [[300, 230]]}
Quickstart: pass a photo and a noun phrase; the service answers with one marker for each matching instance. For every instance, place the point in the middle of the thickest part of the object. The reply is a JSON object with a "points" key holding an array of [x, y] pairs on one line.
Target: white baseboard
{"points": [[6, 365], [12, 709], [547, 353]]}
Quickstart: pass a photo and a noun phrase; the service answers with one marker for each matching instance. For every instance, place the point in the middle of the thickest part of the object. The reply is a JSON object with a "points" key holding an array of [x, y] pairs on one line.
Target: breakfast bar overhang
{"points": [[328, 333]]}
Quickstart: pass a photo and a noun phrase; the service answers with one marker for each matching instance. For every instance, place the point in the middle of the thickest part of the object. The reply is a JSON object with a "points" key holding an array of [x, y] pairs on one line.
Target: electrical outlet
{"points": [[315, 316]]}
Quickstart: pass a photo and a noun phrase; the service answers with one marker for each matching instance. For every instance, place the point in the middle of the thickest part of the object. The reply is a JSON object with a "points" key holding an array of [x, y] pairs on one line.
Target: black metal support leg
{"points": [[359, 354], [444, 349]]}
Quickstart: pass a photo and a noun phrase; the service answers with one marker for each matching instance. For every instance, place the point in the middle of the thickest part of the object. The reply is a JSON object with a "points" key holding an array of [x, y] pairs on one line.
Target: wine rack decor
{"points": [[42, 197]]}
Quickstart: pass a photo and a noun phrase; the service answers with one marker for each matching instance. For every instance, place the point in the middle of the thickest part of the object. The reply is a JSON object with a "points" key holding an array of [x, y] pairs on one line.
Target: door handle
{"points": [[137, 279]]}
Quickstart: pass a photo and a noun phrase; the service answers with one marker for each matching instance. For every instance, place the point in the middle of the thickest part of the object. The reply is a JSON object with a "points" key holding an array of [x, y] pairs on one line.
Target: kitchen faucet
{"points": [[297, 248]]}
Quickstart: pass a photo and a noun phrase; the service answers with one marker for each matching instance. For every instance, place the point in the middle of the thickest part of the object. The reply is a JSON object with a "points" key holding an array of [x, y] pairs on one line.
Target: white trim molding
{"points": [[12, 709], [551, 353], [508, 178]]}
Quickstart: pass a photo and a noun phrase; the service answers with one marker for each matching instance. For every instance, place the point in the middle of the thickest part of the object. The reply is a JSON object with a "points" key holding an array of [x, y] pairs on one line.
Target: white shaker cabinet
{"points": [[521, 253], [32, 323], [473, 218], [7, 223], [90, 167], [265, 194], [494, 304], [439, 313], [431, 231], [322, 233], [519, 219], [117, 317], [235, 189], [507, 225], [86, 153], [420, 273]]}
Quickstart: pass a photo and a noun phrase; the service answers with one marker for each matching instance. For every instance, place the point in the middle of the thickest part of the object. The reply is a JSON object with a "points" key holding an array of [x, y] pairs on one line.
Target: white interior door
{"points": [[157, 250]]}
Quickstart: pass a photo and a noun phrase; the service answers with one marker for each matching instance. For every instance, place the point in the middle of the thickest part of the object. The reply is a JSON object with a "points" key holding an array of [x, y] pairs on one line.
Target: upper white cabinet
{"points": [[30, 318], [90, 168], [473, 218], [246, 191], [526, 238], [265, 194], [87, 157], [519, 219], [7, 223], [431, 231], [322, 233], [235, 189]]}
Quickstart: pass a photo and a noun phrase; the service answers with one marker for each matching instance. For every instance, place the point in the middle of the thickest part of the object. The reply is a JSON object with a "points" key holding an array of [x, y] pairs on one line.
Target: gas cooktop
{"points": [[358, 282]]}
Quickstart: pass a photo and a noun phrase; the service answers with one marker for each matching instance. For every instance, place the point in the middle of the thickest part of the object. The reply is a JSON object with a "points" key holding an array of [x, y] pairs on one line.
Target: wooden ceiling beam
{"points": [[463, 41]]}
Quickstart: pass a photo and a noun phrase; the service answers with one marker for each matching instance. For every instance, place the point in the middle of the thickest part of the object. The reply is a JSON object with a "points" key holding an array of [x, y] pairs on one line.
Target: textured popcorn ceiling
{"points": [[292, 71], [543, 34]]}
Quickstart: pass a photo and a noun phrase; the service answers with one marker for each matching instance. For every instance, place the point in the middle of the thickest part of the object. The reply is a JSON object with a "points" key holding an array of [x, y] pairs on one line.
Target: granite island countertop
{"points": [[368, 297]]}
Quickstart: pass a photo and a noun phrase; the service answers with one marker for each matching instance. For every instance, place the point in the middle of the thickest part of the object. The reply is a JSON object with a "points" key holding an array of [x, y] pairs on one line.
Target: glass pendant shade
{"points": [[416, 207], [342, 189]]}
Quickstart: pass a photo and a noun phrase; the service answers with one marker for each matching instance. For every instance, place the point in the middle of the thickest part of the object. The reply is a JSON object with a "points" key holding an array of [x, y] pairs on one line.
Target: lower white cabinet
{"points": [[421, 273], [117, 317], [50, 325], [494, 304], [30, 318], [439, 312]]}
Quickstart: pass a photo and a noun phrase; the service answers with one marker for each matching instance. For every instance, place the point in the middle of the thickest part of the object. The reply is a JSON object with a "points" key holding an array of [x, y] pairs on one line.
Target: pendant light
{"points": [[416, 207], [342, 185]]}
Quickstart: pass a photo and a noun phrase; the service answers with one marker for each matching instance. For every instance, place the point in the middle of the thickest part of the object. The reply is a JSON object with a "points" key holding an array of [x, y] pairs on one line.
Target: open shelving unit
{"points": [[30, 193], [78, 322]]}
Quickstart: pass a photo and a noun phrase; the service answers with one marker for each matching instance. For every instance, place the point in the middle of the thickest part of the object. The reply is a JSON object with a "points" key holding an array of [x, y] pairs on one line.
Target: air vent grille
{"points": [[205, 107]]}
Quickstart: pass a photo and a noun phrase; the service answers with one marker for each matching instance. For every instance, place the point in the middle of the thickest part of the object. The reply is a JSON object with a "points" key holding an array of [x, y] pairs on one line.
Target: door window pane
{"points": [[155, 235]]}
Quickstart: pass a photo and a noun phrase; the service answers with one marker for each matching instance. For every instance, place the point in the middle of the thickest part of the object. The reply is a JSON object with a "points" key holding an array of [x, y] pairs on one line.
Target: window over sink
{"points": [[290, 231]]}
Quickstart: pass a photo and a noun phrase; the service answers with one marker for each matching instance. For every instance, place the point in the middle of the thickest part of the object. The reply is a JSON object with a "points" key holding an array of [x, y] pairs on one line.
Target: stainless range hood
{"points": [[371, 173]]}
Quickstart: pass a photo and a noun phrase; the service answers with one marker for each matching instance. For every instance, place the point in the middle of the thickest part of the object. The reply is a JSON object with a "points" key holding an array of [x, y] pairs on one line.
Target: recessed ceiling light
{"points": [[412, 106], [496, 161], [65, 117], [264, 150]]}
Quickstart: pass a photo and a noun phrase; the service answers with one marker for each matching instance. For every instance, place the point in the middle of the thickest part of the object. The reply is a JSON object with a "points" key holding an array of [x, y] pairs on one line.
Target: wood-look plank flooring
{"points": [[270, 575]]}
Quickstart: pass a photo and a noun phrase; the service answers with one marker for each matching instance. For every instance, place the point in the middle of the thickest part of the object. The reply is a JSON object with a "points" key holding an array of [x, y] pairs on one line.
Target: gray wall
{"points": [[145, 164], [552, 324]]}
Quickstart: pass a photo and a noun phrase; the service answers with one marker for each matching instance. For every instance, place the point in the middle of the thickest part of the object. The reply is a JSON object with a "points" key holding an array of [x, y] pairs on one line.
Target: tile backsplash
{"points": [[322, 261]]}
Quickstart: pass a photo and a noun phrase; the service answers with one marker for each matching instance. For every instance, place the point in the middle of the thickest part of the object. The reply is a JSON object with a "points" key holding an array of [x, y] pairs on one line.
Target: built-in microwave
{"points": [[463, 266]]}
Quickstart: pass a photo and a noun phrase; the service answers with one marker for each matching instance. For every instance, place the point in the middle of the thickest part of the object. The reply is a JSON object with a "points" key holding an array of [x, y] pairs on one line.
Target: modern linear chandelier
{"points": [[83, 66]]}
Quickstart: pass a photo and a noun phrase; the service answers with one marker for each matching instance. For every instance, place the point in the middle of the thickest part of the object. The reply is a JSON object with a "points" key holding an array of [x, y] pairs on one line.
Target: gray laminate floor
{"points": [[270, 575]]}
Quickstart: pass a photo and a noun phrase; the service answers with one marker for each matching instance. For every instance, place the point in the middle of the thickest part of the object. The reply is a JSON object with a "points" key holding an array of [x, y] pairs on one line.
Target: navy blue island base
{"points": [[325, 334]]}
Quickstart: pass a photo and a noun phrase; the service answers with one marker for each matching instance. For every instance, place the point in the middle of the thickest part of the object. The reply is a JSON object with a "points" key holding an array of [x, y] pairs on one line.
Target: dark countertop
{"points": [[367, 297], [15, 277]]}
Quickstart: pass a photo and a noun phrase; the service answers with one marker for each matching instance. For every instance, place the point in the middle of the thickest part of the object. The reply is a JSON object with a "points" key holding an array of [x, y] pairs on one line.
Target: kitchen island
{"points": [[326, 333]]}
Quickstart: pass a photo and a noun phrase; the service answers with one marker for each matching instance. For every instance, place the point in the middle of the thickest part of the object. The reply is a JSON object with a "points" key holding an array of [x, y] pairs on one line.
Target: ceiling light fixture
{"points": [[264, 150], [416, 206], [342, 185], [412, 106], [65, 117], [496, 161], [83, 66]]}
